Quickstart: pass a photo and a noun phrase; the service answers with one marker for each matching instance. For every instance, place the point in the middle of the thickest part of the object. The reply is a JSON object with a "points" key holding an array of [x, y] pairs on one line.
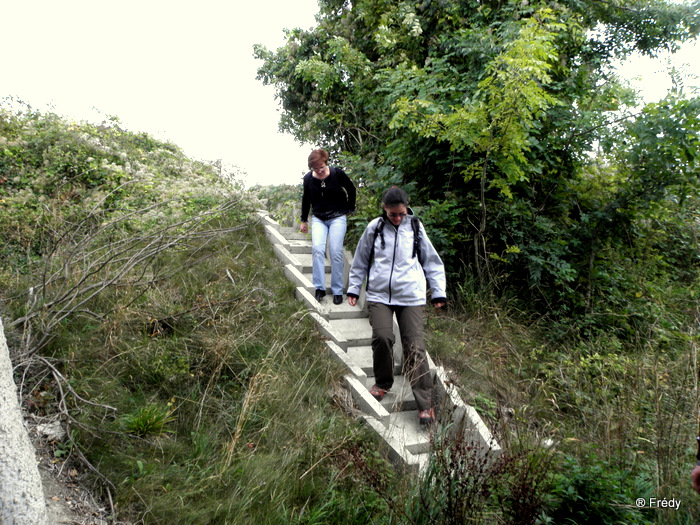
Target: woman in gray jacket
{"points": [[396, 258]]}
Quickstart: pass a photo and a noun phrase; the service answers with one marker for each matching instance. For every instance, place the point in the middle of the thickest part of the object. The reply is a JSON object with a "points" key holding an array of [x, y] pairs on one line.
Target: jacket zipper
{"points": [[393, 260]]}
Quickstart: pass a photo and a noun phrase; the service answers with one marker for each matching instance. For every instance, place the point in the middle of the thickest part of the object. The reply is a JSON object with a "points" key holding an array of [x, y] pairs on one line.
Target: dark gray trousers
{"points": [[415, 364]]}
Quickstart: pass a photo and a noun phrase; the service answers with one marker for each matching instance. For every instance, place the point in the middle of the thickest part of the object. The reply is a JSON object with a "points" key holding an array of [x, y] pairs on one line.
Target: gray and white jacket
{"points": [[398, 271]]}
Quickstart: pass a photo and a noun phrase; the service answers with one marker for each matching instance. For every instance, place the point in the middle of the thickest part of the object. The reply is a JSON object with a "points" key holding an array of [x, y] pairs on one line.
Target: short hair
{"points": [[395, 196], [316, 156]]}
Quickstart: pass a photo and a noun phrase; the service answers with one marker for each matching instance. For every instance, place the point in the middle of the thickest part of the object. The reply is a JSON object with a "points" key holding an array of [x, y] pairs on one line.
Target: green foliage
{"points": [[613, 411], [372, 177], [283, 203], [589, 490], [459, 482], [527, 483], [54, 171], [512, 135], [443, 224], [495, 122], [566, 215]]}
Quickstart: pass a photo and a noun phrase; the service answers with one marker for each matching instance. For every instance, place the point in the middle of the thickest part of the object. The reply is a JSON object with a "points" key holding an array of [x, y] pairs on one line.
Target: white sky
{"points": [[179, 70], [650, 77]]}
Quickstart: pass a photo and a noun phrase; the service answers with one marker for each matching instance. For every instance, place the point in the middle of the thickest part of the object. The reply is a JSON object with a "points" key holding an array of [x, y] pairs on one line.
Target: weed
{"points": [[149, 420]]}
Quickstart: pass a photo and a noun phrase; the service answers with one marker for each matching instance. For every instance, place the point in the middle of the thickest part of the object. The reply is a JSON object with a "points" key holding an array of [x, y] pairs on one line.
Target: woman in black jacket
{"points": [[330, 193]]}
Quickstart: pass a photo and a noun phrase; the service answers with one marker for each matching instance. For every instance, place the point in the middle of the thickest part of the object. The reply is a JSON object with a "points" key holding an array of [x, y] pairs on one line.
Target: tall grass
{"points": [[219, 392], [619, 417]]}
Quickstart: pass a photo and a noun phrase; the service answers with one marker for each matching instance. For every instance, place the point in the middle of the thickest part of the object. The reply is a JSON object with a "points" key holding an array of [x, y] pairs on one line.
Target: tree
{"points": [[496, 112], [22, 496]]}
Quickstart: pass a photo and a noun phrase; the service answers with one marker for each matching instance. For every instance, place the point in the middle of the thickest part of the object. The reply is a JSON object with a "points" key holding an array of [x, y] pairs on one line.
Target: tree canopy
{"points": [[507, 122]]}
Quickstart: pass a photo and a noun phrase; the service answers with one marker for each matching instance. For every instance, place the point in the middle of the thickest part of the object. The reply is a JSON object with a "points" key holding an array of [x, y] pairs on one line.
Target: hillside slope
{"points": [[148, 317]]}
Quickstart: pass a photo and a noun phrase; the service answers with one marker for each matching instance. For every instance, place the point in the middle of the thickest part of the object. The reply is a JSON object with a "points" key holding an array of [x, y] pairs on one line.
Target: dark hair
{"points": [[316, 156], [395, 196]]}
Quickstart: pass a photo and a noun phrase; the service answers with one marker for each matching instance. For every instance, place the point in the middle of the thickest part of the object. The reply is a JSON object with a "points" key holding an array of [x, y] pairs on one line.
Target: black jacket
{"points": [[329, 198]]}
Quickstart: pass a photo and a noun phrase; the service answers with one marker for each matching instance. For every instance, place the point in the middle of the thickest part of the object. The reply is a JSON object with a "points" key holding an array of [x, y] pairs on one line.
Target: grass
{"points": [[623, 410], [223, 413], [195, 387]]}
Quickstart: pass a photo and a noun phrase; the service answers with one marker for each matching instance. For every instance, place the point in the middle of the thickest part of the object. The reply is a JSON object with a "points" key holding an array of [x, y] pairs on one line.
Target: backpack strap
{"points": [[378, 230], [415, 224]]}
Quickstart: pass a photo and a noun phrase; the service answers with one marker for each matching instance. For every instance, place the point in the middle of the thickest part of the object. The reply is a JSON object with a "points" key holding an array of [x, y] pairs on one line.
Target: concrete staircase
{"points": [[348, 338]]}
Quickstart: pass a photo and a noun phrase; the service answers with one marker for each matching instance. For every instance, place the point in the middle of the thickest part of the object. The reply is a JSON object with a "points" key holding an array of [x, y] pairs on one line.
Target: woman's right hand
{"points": [[304, 227]]}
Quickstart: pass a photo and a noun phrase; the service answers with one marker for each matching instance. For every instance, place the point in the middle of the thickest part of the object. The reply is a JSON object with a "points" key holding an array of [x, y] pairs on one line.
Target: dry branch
{"points": [[83, 265]]}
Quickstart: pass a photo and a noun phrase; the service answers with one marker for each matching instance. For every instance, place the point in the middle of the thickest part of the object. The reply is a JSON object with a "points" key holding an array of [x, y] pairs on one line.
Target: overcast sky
{"points": [[181, 71]]}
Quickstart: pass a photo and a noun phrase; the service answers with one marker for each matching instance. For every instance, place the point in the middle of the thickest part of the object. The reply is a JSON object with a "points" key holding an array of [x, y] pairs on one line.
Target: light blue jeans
{"points": [[333, 231]]}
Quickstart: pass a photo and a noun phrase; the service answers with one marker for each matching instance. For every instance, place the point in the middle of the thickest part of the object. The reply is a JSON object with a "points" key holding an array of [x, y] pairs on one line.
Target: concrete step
{"points": [[293, 234], [418, 462], [396, 447], [342, 356], [351, 311], [299, 246], [325, 307], [367, 404], [299, 279], [306, 263], [342, 310], [336, 311], [325, 327], [326, 278], [357, 332], [306, 260], [283, 255], [361, 356], [275, 236], [266, 220], [399, 398], [404, 427], [464, 417], [345, 332]]}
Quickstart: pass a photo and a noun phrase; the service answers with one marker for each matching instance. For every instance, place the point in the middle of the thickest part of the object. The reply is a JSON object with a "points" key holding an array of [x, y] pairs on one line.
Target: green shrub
{"points": [[588, 489]]}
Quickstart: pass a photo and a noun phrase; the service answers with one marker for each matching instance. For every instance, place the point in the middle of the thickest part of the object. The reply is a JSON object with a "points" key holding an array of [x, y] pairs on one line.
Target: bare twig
{"points": [[60, 380]]}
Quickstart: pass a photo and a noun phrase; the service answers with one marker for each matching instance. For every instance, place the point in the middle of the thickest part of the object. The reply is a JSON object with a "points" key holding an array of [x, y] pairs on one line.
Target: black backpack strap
{"points": [[415, 224], [378, 230]]}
